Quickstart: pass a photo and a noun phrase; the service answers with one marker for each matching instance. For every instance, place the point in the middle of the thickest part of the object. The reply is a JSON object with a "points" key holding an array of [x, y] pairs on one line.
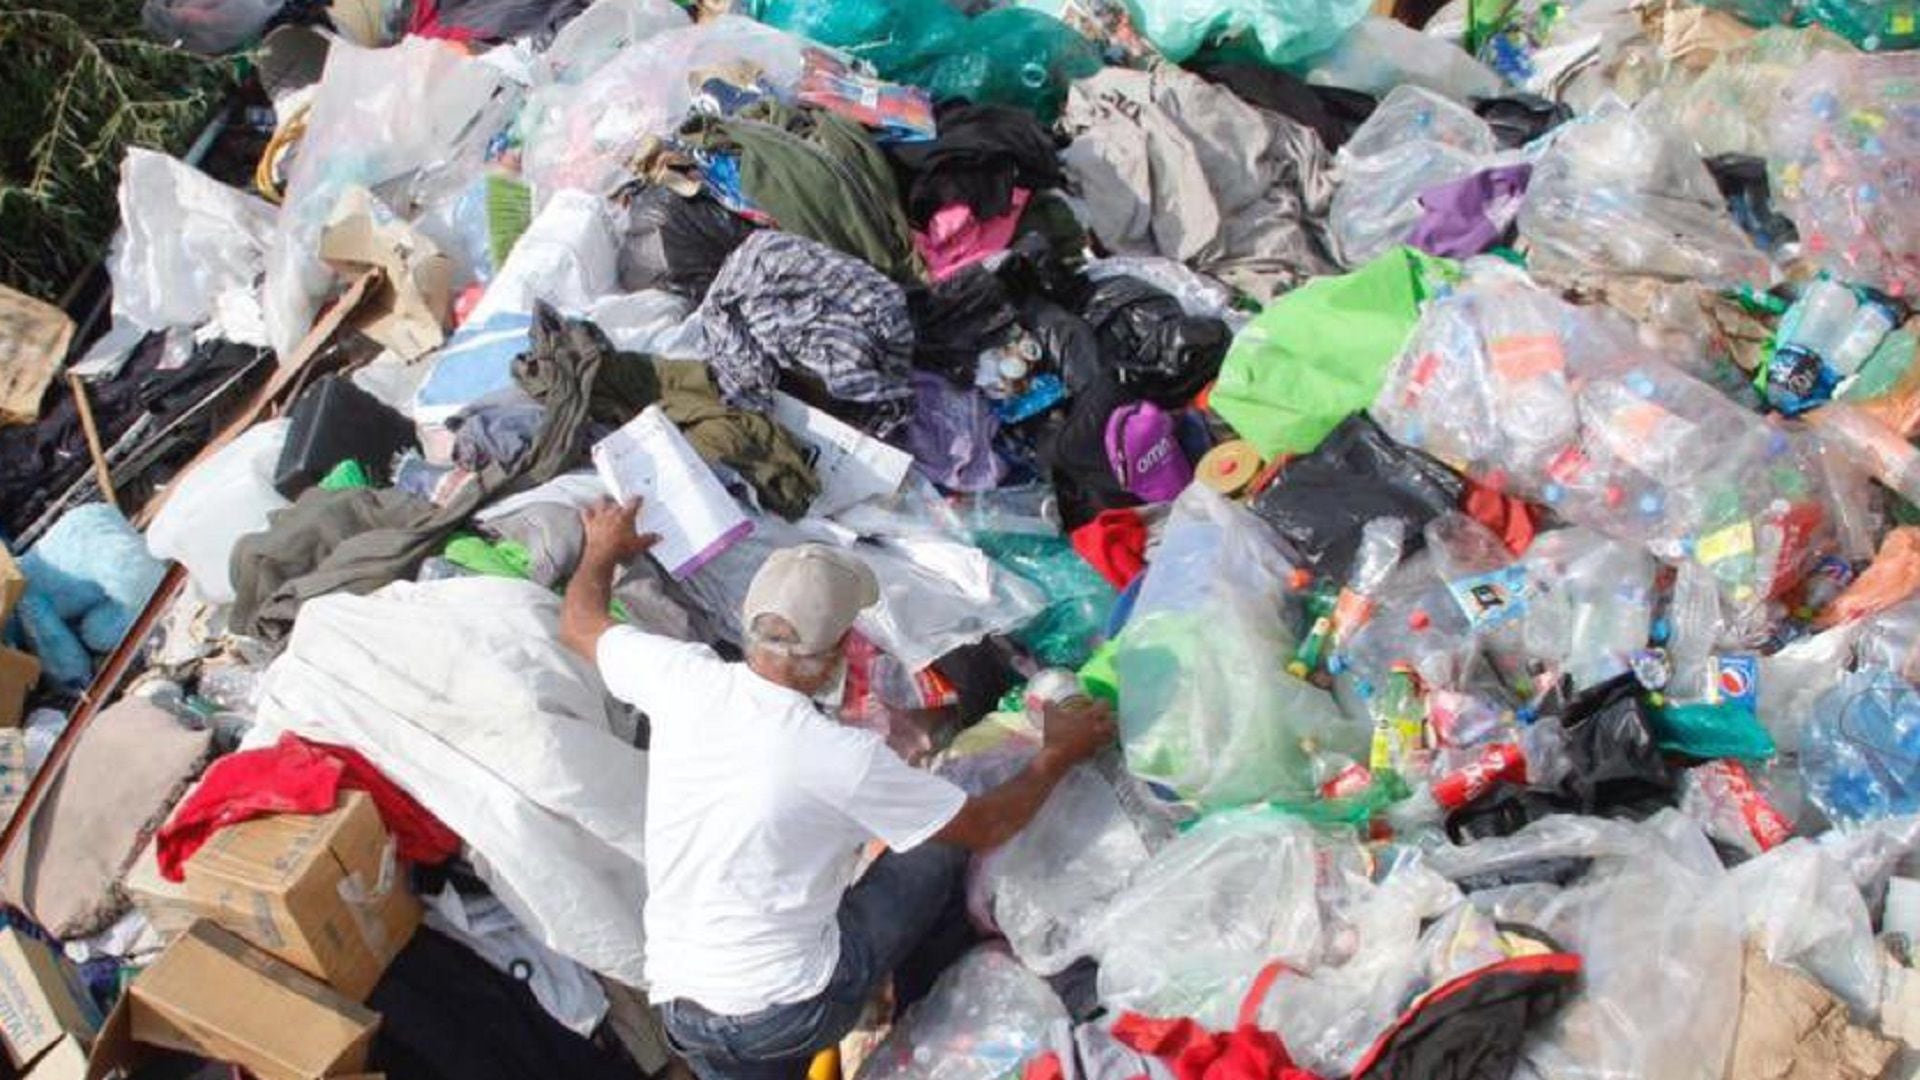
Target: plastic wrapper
{"points": [[208, 27], [1860, 752], [210, 508], [1381, 54], [582, 135], [1185, 936], [1843, 158], [1007, 56], [1207, 614], [1275, 32], [1045, 888], [1614, 195], [982, 1020], [1414, 140], [189, 246], [1563, 405], [411, 123], [607, 28]]}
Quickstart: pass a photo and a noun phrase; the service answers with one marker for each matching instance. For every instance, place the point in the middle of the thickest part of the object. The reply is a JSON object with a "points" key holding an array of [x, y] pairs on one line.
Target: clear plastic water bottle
{"points": [[1693, 627], [1860, 753], [1872, 322]]}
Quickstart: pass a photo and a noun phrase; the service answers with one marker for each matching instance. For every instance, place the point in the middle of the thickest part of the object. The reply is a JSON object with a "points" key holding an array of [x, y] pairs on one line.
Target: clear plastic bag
{"points": [[1802, 907], [1381, 54], [1843, 160], [411, 123], [1891, 640], [1613, 195], [221, 500], [1661, 957], [1414, 140], [1046, 887], [1729, 108], [1205, 707], [582, 135], [208, 27], [1200, 918], [1860, 752], [185, 242], [981, 1021]]}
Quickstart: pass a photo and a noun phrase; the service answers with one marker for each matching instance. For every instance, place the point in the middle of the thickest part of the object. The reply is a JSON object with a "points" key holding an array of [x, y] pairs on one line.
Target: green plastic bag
{"points": [[1009, 56], [1276, 32], [1711, 731], [1319, 353], [1079, 600]]}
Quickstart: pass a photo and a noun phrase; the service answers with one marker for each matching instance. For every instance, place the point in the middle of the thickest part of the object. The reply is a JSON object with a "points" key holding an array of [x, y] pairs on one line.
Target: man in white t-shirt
{"points": [[761, 948]]}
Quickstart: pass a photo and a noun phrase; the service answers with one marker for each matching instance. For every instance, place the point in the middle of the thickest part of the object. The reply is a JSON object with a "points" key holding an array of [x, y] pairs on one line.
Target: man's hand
{"points": [[1075, 731], [612, 537]]}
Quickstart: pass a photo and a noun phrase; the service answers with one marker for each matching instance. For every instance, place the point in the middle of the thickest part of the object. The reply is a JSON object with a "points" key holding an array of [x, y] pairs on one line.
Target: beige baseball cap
{"points": [[818, 589]]}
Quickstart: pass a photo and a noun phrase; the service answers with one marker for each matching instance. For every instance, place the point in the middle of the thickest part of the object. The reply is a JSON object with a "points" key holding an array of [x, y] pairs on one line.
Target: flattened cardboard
{"points": [[41, 998], [33, 343], [67, 1060], [214, 995], [168, 908], [409, 314], [321, 892], [19, 672]]}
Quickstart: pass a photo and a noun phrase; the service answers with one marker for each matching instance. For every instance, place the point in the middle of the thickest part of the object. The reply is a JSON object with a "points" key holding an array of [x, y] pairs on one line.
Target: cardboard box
{"points": [[41, 998], [18, 673], [214, 995], [67, 1060], [323, 892], [165, 903], [13, 584]]}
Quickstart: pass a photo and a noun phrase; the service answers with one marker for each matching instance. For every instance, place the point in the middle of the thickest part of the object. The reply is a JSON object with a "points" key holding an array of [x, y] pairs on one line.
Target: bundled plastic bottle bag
{"points": [[982, 1020]]}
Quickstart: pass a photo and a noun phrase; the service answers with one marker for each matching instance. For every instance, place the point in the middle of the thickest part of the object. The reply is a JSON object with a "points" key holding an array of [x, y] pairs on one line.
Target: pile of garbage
{"points": [[1475, 462]]}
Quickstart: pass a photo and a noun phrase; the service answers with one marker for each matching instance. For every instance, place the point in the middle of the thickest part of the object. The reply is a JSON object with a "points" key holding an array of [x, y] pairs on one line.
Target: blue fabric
{"points": [[905, 903]]}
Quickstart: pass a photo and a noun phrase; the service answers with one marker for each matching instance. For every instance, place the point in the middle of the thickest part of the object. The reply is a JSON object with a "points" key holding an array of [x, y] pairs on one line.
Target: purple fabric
{"points": [[951, 435], [1145, 454], [1469, 215]]}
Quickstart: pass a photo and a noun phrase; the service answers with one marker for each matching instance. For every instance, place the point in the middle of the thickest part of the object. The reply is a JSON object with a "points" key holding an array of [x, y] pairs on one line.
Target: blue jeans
{"points": [[906, 915]]}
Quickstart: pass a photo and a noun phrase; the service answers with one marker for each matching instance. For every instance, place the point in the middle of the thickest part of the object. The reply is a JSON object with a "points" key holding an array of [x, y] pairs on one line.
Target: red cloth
{"points": [[1510, 519], [1114, 543], [294, 776], [1194, 1053]]}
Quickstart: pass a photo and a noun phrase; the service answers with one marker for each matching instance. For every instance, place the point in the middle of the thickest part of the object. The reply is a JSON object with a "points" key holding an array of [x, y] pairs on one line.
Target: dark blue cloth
{"points": [[905, 917]]}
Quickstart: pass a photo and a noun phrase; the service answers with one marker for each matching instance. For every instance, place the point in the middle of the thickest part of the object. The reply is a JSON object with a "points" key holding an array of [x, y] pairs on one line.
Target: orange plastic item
{"points": [[1893, 576]]}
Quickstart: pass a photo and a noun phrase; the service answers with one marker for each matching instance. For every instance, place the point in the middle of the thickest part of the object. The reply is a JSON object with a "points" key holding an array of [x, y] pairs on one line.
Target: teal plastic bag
{"points": [[1319, 353], [1009, 56], [1702, 730], [1079, 600], [1276, 32]]}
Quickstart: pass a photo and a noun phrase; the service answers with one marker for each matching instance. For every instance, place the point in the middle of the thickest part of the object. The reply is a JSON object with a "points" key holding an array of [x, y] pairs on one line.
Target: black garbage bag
{"points": [[1616, 770], [1157, 351], [1322, 500], [677, 243], [1474, 1026]]}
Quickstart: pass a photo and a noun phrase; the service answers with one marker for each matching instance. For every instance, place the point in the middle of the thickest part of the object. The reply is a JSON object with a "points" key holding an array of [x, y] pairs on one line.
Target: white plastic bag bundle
{"points": [[188, 245], [1200, 918], [981, 1021], [224, 498]]}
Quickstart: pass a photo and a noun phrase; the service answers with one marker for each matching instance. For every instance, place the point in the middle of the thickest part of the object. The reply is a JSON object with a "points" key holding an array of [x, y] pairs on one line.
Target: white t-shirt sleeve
{"points": [[901, 805], [649, 671]]}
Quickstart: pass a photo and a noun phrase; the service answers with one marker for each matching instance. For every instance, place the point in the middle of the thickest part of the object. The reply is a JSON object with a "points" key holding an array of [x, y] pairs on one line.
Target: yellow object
{"points": [[826, 1065], [283, 139], [1229, 467]]}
